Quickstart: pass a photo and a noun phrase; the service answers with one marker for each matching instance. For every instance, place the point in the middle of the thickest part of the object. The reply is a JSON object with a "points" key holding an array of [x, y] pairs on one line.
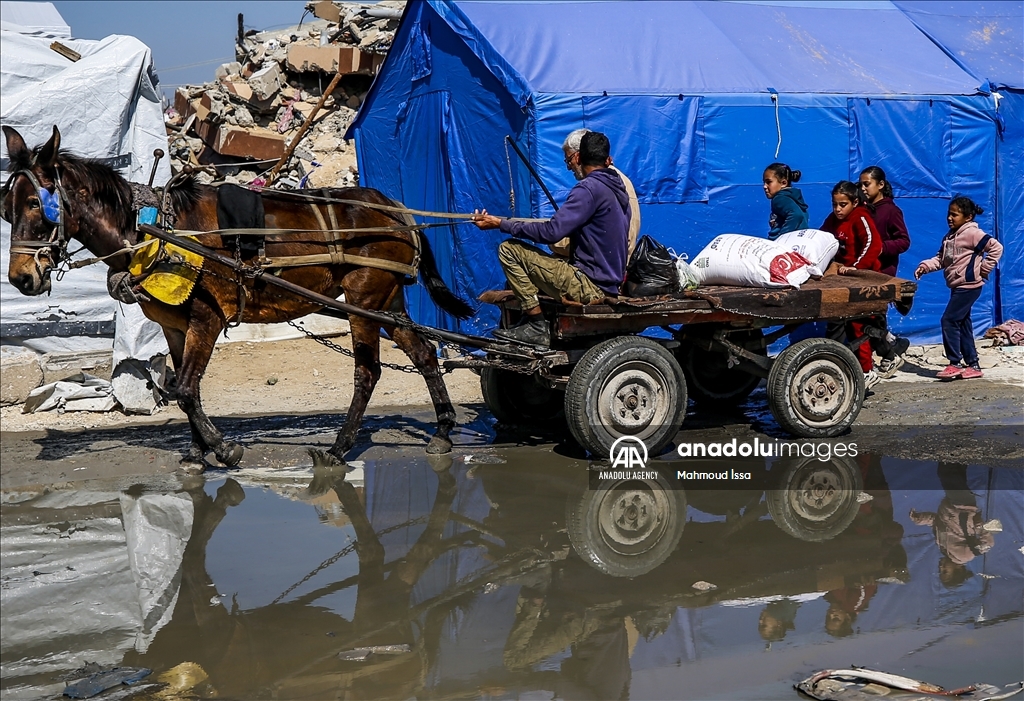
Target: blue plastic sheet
{"points": [[691, 121]]}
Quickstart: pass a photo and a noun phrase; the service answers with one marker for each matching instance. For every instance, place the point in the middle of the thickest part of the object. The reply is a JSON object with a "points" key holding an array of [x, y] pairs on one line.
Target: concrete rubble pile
{"points": [[241, 123]]}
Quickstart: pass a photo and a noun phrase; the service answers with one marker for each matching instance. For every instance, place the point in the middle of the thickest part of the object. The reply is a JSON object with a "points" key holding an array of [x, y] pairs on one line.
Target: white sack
{"points": [[746, 261], [817, 246]]}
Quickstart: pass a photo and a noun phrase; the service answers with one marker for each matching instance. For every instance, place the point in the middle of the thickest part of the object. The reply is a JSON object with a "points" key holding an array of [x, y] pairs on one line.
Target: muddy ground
{"points": [[281, 398]]}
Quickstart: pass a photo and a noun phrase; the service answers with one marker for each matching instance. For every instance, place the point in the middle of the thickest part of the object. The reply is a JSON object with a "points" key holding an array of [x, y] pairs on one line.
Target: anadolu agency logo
{"points": [[628, 452], [628, 456]]}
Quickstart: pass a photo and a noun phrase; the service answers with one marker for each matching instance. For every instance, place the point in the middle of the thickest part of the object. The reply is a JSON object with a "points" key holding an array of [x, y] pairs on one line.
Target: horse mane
{"points": [[111, 190], [108, 188], [184, 193]]}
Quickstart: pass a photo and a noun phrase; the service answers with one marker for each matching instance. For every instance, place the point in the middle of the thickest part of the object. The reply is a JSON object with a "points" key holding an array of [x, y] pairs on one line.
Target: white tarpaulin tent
{"points": [[106, 106]]}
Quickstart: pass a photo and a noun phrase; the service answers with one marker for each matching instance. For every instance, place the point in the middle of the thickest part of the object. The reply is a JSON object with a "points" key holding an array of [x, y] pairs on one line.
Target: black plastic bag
{"points": [[651, 270]]}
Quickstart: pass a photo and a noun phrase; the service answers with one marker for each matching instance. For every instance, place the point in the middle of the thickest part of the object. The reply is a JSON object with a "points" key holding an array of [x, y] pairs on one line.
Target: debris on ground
{"points": [[861, 684], [704, 586], [98, 682], [238, 126], [360, 654], [80, 392], [1009, 333]]}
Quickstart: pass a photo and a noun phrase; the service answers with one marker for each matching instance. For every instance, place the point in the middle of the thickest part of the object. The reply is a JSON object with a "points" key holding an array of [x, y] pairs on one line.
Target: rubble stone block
{"points": [[256, 142], [266, 81], [20, 373], [331, 59], [227, 69], [327, 10], [57, 366]]}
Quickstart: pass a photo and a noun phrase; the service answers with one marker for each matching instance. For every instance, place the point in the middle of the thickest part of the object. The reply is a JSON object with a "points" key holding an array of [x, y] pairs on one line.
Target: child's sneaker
{"points": [[971, 373], [887, 368], [950, 372], [871, 379]]}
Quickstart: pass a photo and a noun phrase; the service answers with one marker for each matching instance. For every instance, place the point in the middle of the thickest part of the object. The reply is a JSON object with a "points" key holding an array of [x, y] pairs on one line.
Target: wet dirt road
{"points": [[510, 569]]}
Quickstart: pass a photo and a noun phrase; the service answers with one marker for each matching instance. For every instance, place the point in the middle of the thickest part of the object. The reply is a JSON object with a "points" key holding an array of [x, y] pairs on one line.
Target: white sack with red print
{"points": [[817, 246], [746, 261]]}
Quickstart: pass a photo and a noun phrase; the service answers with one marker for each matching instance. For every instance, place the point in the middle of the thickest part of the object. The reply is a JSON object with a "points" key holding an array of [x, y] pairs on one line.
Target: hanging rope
{"points": [[778, 124]]}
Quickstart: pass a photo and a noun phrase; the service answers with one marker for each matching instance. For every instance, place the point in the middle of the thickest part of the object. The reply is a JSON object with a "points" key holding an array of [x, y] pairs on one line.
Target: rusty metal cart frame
{"points": [[609, 381]]}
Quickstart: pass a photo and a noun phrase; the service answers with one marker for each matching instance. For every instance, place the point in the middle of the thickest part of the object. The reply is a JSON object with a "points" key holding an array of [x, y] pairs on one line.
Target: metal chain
{"points": [[253, 272], [511, 183], [342, 553]]}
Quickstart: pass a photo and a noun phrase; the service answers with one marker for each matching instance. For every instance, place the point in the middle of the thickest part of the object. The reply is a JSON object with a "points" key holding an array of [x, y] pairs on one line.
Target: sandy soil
{"points": [[307, 378], [306, 406]]}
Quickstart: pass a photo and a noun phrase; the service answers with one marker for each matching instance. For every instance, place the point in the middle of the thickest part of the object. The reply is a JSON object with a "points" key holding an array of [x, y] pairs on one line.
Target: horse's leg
{"points": [[366, 346], [193, 461], [423, 356], [203, 327]]}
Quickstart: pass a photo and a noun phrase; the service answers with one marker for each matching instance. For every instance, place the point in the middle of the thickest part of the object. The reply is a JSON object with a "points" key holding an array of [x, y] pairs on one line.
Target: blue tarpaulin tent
{"points": [[987, 40], [696, 97]]}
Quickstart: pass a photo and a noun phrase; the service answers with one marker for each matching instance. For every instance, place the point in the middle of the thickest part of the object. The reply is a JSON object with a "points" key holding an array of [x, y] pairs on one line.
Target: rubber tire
{"points": [[601, 364], [704, 368], [517, 399], [592, 542], [798, 517], [799, 363]]}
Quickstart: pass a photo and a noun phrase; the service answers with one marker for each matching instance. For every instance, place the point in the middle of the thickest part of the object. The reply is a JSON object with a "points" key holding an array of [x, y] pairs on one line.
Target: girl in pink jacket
{"points": [[966, 256]]}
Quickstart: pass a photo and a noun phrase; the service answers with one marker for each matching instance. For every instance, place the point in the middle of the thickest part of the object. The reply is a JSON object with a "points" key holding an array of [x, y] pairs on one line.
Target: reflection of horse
{"points": [[94, 205]]}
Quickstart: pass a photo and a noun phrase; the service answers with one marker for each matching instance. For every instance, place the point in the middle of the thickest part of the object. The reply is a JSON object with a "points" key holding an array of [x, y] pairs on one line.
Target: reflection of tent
{"points": [[696, 97], [106, 106]]}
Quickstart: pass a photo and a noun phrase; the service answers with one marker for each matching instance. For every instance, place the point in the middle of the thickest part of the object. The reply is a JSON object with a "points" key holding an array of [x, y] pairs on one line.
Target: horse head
{"points": [[51, 197], [34, 205]]}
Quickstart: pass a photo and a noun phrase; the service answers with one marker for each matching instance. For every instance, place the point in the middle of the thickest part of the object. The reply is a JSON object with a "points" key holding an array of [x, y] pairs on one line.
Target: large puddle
{"points": [[507, 574]]}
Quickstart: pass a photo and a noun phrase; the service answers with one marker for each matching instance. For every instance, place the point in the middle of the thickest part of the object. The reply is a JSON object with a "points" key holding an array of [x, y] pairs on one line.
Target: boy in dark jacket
{"points": [[595, 217]]}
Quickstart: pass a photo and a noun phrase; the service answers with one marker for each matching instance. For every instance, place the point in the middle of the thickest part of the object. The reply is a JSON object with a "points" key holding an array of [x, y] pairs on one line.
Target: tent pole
{"points": [[522, 157]]}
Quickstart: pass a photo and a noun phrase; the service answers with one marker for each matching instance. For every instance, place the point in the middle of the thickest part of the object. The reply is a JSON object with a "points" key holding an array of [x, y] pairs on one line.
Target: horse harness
{"points": [[52, 205]]}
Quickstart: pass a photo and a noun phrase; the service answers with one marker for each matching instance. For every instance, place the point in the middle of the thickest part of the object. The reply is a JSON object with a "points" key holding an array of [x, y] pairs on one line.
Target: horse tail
{"points": [[438, 291]]}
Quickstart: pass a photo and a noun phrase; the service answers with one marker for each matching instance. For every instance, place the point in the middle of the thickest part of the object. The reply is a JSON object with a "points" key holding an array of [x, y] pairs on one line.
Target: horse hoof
{"points": [[230, 454], [324, 459], [439, 445], [231, 493], [440, 463], [192, 467]]}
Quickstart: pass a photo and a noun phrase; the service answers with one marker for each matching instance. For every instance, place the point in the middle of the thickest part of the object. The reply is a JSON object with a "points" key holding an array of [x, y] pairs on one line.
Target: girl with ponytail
{"points": [[789, 211]]}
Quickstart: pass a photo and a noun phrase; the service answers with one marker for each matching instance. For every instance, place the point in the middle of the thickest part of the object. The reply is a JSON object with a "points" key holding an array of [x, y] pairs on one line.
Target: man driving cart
{"points": [[595, 217]]}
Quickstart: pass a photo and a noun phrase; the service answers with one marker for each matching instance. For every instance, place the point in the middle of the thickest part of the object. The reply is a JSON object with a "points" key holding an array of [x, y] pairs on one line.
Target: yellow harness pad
{"points": [[166, 280]]}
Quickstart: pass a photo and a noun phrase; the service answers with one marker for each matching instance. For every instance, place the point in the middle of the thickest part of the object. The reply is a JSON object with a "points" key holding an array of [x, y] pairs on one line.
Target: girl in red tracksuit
{"points": [[852, 223]]}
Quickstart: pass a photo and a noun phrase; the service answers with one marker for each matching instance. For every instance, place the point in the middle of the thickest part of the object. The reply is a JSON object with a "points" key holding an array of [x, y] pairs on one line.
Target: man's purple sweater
{"points": [[595, 217]]}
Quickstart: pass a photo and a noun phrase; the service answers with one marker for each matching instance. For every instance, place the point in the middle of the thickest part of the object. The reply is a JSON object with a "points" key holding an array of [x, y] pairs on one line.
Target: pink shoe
{"points": [[950, 372], [970, 373]]}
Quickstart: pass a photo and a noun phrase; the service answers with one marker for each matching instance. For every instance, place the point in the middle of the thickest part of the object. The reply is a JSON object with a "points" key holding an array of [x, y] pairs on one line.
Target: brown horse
{"points": [[95, 206]]}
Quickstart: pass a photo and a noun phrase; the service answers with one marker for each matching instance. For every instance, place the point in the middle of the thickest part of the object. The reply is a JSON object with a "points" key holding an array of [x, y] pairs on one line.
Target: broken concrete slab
{"points": [[58, 366], [255, 142], [20, 373], [331, 59], [267, 81]]}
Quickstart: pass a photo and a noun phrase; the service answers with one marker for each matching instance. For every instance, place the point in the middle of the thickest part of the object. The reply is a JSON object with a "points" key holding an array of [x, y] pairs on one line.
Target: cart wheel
{"points": [[710, 380], [625, 386], [626, 528], [515, 398], [816, 388], [816, 500]]}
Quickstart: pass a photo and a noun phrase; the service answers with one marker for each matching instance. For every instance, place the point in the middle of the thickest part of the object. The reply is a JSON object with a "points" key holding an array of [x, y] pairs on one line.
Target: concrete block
{"points": [[20, 373], [255, 142], [327, 10], [267, 81], [332, 59], [57, 366]]}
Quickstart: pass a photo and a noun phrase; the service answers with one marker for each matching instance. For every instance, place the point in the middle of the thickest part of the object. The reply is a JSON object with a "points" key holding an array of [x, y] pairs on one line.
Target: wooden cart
{"points": [[610, 381]]}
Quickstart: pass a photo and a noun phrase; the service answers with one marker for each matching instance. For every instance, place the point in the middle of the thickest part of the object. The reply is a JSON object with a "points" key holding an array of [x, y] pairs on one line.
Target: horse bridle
{"points": [[53, 206]]}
